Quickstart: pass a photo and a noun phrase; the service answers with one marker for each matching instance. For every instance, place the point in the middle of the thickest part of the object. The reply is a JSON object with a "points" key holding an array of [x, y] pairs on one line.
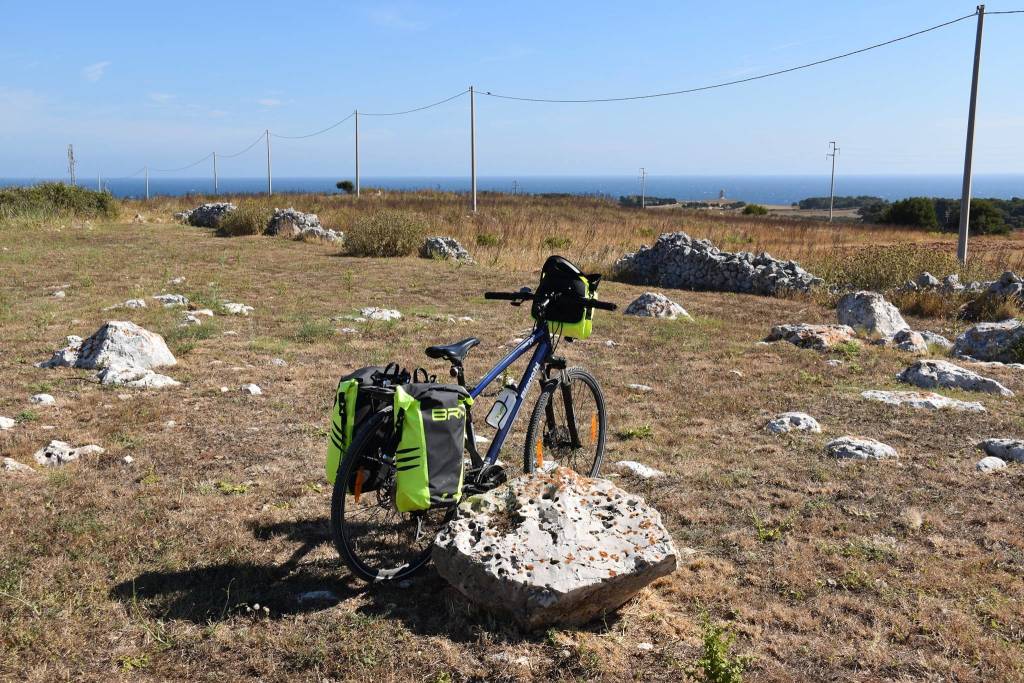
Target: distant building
{"points": [[721, 194]]}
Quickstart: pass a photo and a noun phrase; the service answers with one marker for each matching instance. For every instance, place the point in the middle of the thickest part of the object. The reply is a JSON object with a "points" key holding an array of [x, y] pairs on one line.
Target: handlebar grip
{"points": [[508, 296], [603, 305]]}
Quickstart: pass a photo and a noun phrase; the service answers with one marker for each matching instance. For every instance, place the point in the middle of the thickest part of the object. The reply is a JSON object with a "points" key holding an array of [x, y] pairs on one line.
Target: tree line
{"points": [[988, 216]]}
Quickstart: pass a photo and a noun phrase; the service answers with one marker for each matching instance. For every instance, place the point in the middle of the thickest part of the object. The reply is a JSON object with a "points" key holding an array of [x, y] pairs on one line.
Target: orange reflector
{"points": [[593, 427], [540, 453], [360, 478]]}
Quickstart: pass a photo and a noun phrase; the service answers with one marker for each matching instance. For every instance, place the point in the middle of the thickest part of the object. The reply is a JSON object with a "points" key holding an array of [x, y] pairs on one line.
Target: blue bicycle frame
{"points": [[540, 339]]}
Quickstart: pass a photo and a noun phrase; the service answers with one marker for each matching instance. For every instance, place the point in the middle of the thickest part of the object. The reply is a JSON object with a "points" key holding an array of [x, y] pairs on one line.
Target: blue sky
{"points": [[131, 83]]}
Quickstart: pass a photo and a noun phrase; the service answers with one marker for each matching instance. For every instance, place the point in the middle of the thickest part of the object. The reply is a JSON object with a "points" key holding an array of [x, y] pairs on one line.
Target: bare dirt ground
{"points": [[900, 570]]}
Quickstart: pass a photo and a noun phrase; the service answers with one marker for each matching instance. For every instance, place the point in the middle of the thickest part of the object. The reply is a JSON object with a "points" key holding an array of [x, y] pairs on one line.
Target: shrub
{"points": [[717, 664], [918, 212], [883, 267], [486, 240], [386, 233], [312, 331], [754, 210], [555, 242], [56, 198], [250, 218], [346, 186]]}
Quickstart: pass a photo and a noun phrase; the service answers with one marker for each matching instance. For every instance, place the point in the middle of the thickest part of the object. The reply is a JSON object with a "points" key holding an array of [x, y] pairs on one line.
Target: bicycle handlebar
{"points": [[529, 296]]}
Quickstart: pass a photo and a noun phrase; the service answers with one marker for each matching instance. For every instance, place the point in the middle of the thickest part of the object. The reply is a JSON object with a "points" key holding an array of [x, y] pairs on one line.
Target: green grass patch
{"points": [[637, 432], [312, 331]]}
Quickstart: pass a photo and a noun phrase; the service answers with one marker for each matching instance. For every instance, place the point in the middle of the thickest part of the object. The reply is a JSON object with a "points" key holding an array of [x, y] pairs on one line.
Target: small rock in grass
{"points": [[933, 339], [833, 363], [444, 248], [818, 337], [224, 390], [176, 281], [237, 309], [59, 294], [43, 399], [909, 341], [6, 423], [1005, 449], [12, 465], [793, 422], [348, 330], [645, 647], [869, 312], [930, 374], [922, 399], [127, 460], [251, 390], [990, 463], [279, 362], [374, 313], [171, 300], [638, 469], [610, 344], [140, 378], [654, 305], [131, 303], [859, 448], [639, 387], [58, 453]]}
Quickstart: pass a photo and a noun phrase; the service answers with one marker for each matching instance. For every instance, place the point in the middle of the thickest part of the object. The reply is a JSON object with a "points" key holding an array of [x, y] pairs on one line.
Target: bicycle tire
{"points": [[551, 439], [371, 436]]}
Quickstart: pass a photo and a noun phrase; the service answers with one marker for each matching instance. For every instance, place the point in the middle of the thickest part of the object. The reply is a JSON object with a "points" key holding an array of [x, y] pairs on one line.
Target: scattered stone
{"points": [[127, 460], [279, 362], [819, 337], [444, 248], [1005, 449], [139, 378], [12, 465], [931, 374], [638, 469], [679, 261], [348, 330], [58, 453], [237, 309], [202, 313], [610, 344], [909, 341], [224, 390], [1007, 286], [130, 303], [833, 363], [138, 219], [639, 387], [1002, 342], [990, 463], [59, 294], [116, 343], [176, 280], [252, 390], [653, 305], [170, 424], [870, 313], [206, 215], [645, 647], [43, 399], [922, 399], [933, 339], [736, 373], [374, 313], [790, 422], [190, 321], [6, 423], [554, 548], [171, 300], [859, 448], [317, 597]]}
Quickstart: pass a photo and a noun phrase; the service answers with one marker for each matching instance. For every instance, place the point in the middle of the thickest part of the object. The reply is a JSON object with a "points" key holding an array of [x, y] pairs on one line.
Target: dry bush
{"points": [[927, 304], [386, 233], [990, 308], [250, 218]]}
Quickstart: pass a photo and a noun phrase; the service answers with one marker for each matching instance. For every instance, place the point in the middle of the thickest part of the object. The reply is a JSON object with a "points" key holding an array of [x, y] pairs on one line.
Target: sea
{"points": [[759, 189]]}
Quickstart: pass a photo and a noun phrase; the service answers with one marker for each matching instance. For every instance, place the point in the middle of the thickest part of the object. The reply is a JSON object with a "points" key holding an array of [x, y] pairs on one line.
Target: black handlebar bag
{"points": [[565, 287]]}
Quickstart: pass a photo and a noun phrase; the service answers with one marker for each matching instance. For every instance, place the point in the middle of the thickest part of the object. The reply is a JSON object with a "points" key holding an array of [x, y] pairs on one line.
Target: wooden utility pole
{"points": [[965, 195]]}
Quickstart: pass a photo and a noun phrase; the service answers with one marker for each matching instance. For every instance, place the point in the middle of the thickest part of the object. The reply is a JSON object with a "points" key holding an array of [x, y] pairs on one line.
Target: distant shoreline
{"points": [[757, 189]]}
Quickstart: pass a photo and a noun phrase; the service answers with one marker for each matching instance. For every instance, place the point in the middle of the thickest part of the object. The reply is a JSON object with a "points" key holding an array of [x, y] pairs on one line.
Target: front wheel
{"points": [[568, 426]]}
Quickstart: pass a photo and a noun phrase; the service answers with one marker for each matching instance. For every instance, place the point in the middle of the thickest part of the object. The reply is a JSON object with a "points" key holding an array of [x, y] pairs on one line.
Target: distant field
{"points": [[901, 570]]}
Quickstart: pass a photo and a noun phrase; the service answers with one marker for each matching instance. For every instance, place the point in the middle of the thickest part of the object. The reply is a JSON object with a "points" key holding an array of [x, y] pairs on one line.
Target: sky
{"points": [[165, 84]]}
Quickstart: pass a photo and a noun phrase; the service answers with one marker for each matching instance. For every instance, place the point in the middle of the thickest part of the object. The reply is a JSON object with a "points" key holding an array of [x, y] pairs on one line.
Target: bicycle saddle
{"points": [[455, 353]]}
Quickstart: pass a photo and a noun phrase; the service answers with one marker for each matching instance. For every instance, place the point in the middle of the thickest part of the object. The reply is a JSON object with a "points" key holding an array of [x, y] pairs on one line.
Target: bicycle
{"points": [[377, 542]]}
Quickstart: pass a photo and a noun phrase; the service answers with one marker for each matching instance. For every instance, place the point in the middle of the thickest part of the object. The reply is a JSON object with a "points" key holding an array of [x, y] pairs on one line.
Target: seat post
{"points": [[458, 373]]}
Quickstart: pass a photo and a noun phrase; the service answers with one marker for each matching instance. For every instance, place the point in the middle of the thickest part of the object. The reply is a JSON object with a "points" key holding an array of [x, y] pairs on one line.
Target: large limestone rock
{"points": [[932, 374], [654, 305], [679, 261], [1005, 449], [870, 313], [819, 337], [554, 548], [298, 225], [1002, 342], [444, 248], [206, 215], [922, 399], [859, 448], [118, 344], [58, 453]]}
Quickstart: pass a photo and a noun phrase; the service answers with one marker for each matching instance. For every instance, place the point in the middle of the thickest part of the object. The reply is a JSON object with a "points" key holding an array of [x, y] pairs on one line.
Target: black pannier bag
{"points": [[566, 315]]}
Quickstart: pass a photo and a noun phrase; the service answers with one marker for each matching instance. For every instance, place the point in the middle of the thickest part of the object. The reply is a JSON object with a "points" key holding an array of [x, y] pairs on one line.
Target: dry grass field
{"points": [[911, 569]]}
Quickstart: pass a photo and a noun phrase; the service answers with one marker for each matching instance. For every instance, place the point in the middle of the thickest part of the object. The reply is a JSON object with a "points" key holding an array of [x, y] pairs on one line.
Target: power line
{"points": [[238, 154], [182, 168], [324, 130], [737, 81], [410, 111], [1006, 11]]}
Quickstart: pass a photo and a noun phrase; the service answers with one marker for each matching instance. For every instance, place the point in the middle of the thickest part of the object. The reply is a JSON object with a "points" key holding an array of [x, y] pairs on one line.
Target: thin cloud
{"points": [[94, 72], [160, 97], [393, 19], [218, 113], [269, 102]]}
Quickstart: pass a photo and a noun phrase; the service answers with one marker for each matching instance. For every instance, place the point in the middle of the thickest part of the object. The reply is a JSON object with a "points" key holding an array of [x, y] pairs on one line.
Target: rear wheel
{"points": [[568, 425], [375, 540]]}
